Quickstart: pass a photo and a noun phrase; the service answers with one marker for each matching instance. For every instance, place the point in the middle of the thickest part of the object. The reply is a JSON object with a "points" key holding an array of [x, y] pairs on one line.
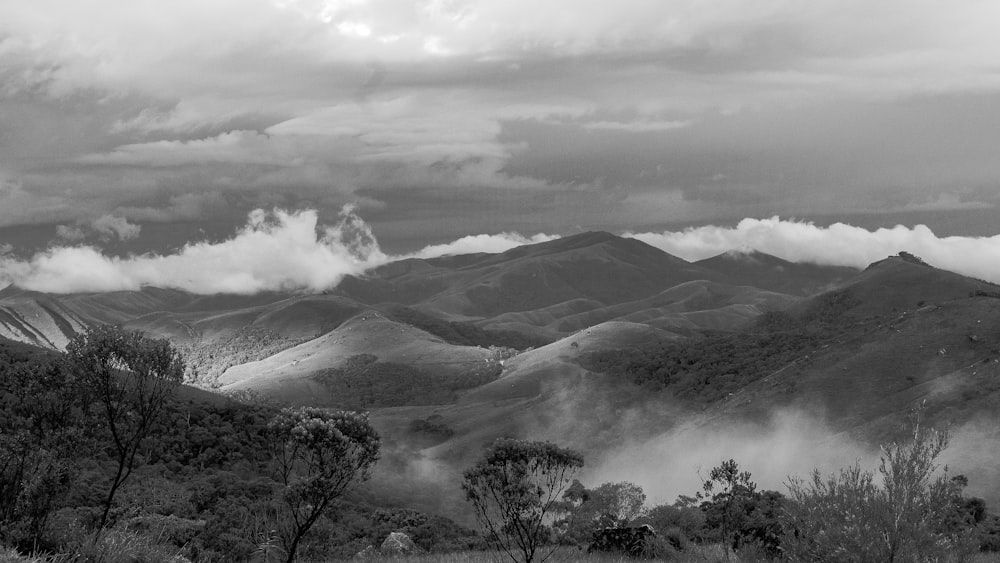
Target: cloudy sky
{"points": [[141, 125]]}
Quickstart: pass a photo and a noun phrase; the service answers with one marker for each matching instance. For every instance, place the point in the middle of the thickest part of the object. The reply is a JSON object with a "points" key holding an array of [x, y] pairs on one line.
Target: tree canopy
{"points": [[514, 489]]}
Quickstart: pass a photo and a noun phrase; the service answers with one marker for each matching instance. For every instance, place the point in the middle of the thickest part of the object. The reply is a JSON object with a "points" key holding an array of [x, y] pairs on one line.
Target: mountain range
{"points": [[600, 342]]}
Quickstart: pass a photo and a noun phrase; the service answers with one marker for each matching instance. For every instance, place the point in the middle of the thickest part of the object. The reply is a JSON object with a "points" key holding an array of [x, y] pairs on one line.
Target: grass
{"points": [[697, 554], [122, 549]]}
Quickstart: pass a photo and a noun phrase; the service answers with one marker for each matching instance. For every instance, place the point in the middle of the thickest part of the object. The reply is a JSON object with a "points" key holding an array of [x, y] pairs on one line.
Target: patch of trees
{"points": [[365, 382], [101, 460], [909, 509], [826, 310], [708, 368], [467, 334], [207, 360], [433, 426]]}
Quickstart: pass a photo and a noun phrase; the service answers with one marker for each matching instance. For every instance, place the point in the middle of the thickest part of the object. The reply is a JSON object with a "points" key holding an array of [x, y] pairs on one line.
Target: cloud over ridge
{"points": [[839, 244], [276, 250], [282, 250]]}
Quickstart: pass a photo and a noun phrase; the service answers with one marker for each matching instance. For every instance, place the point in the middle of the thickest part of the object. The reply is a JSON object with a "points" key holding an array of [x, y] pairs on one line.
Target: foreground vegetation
{"points": [[103, 457], [133, 474]]}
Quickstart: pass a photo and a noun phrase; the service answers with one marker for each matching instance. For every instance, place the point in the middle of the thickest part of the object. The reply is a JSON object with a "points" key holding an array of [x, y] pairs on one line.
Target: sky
{"points": [[139, 130]]}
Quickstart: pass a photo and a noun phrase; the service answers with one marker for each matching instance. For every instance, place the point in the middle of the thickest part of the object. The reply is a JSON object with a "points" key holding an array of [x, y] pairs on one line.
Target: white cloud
{"points": [[274, 251], [277, 250], [490, 244], [838, 244], [70, 233], [111, 226], [105, 227], [637, 126], [282, 250]]}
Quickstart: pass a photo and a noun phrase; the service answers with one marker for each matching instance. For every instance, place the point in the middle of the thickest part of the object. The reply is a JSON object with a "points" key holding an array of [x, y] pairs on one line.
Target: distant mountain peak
{"points": [[748, 254], [580, 241], [899, 259]]}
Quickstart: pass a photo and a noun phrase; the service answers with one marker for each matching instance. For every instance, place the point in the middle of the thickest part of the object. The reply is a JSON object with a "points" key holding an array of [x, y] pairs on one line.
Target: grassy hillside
{"points": [[290, 375], [898, 334], [768, 272], [597, 266]]}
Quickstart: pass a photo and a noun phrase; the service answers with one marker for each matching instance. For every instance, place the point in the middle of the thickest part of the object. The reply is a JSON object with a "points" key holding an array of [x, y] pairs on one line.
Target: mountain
{"points": [[599, 267], [594, 341], [833, 376], [544, 291], [757, 269]]}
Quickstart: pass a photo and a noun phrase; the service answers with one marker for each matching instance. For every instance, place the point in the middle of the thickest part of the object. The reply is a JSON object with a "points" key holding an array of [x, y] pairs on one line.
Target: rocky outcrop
{"points": [[396, 543]]}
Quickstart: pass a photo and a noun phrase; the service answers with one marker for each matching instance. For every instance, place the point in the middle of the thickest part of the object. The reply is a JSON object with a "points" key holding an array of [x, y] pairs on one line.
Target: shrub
{"points": [[850, 516]]}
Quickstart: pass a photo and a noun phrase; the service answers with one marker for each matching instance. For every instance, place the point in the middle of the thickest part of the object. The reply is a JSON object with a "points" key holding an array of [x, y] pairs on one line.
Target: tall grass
{"points": [[710, 553]]}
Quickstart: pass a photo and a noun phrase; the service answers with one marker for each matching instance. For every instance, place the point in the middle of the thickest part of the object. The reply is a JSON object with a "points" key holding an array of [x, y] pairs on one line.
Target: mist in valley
{"points": [[627, 433]]}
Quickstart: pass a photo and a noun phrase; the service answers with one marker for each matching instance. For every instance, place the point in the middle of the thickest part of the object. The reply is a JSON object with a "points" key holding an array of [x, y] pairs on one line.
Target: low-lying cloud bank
{"points": [[276, 250], [838, 245], [290, 250]]}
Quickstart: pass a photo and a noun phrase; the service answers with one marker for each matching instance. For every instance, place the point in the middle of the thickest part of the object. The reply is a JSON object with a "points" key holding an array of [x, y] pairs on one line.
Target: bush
{"points": [[903, 518]]}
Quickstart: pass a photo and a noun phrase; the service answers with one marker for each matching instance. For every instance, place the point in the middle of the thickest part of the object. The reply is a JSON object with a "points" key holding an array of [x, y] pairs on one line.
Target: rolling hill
{"points": [[525, 297], [618, 343]]}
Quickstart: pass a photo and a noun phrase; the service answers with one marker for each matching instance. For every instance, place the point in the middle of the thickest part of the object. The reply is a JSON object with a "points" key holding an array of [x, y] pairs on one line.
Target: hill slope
{"points": [[757, 269], [595, 266]]}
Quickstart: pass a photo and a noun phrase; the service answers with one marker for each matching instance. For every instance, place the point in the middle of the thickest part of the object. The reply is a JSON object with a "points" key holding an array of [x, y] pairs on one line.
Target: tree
{"points": [[41, 434], [131, 377], [729, 493], [317, 455], [610, 505], [514, 490], [909, 516], [617, 504]]}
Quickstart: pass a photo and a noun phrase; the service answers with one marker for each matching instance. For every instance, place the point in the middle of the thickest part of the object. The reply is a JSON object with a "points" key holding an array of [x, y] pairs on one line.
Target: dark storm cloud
{"points": [[590, 116], [919, 155]]}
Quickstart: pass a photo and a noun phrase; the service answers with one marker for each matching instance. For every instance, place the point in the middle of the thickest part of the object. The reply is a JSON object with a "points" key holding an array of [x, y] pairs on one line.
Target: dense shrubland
{"points": [[364, 382], [215, 479], [466, 334], [706, 369], [211, 479], [909, 510], [207, 360], [714, 364]]}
